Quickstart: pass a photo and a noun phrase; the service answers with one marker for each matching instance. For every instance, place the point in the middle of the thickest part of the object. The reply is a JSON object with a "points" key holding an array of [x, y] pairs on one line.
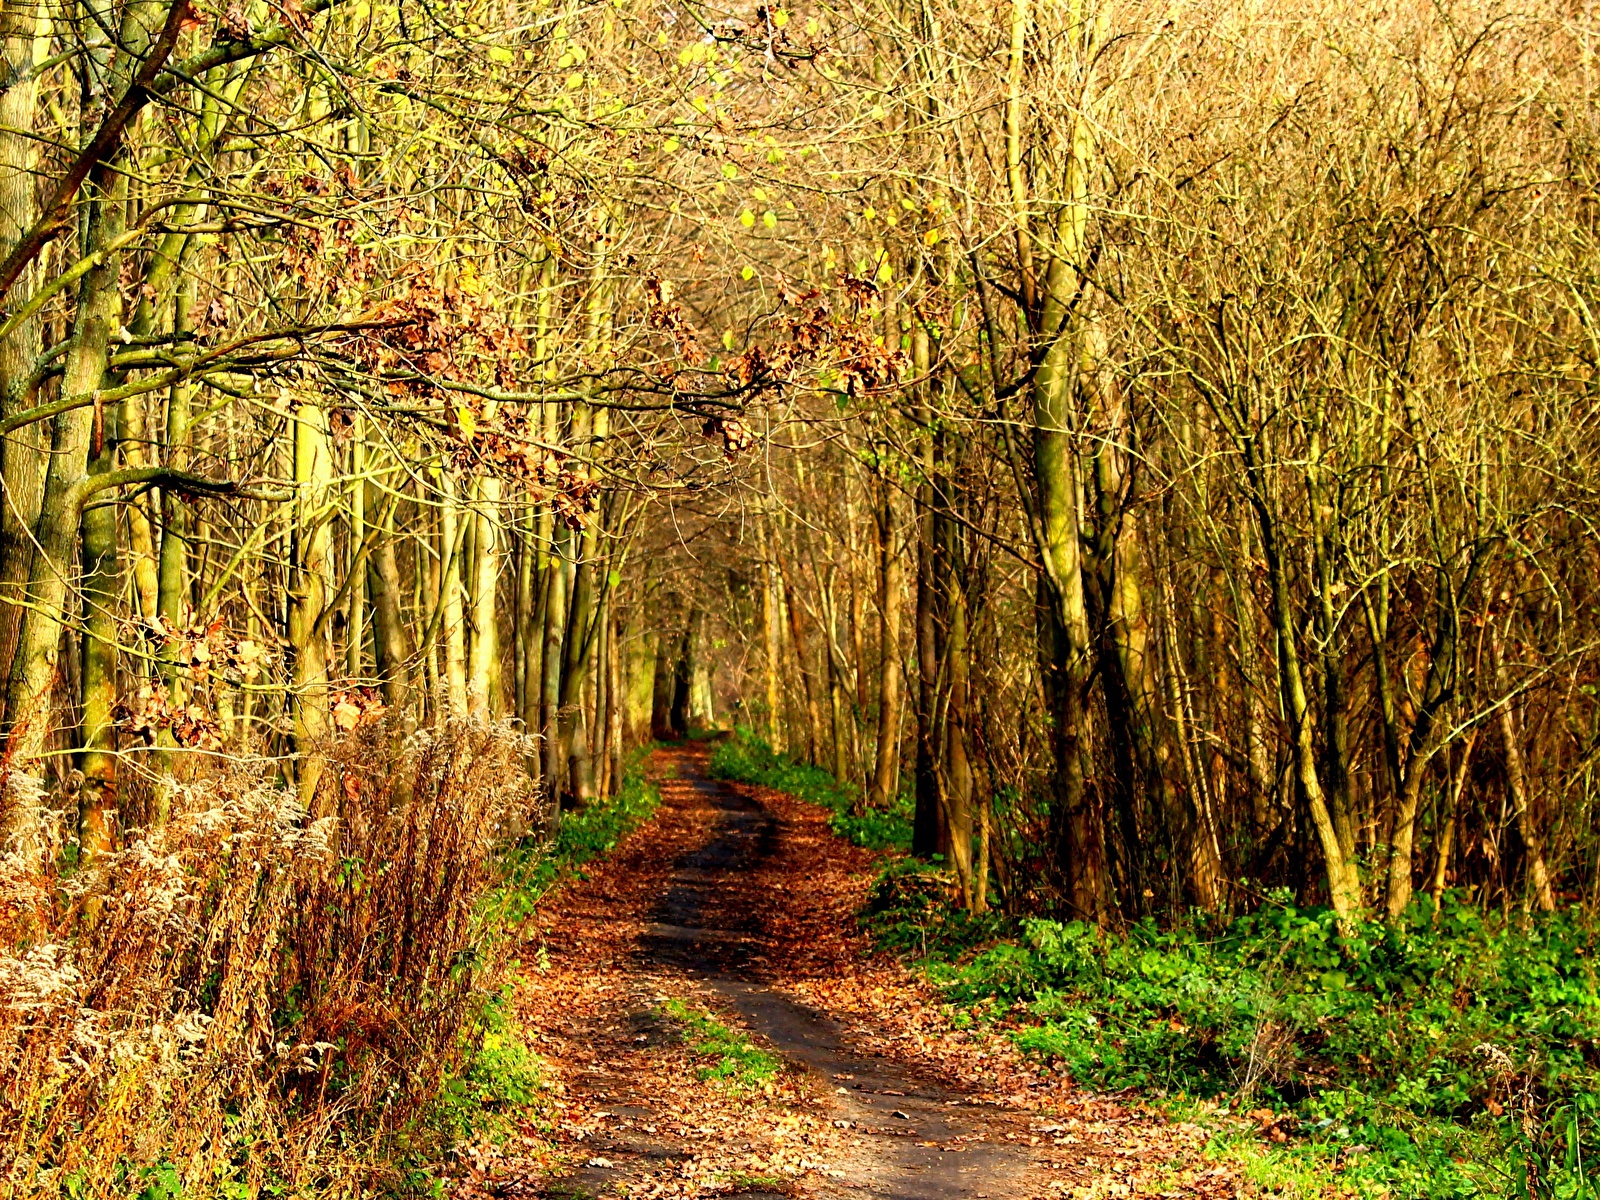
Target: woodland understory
{"points": [[1135, 465]]}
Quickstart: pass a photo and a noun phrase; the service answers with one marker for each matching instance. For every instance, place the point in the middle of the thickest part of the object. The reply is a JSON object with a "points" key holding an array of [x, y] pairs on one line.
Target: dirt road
{"points": [[739, 901]]}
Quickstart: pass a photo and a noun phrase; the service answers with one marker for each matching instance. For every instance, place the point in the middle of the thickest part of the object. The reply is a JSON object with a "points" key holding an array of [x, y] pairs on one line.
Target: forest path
{"points": [[739, 899]]}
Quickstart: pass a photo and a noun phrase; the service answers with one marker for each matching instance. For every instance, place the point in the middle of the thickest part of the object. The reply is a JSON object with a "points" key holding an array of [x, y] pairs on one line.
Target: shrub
{"points": [[244, 997]]}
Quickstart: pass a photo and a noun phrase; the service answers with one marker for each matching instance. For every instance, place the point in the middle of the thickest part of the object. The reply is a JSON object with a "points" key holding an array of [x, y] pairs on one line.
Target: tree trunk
{"points": [[886, 772], [22, 453], [313, 476], [390, 642], [555, 637], [1517, 783], [97, 800], [457, 529], [579, 653], [483, 699], [35, 665]]}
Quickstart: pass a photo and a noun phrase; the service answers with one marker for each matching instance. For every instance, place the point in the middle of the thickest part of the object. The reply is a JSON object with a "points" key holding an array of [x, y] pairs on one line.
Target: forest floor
{"points": [[712, 1022]]}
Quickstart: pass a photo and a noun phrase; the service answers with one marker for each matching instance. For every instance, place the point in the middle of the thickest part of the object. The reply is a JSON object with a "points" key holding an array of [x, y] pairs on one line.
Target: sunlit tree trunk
{"points": [[482, 694], [389, 636], [36, 664], [1537, 871], [457, 529], [24, 28], [313, 477], [97, 800]]}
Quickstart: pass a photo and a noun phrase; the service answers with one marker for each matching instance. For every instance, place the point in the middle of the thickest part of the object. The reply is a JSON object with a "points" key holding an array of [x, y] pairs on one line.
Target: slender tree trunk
{"points": [[356, 621], [313, 474], [389, 638], [928, 837], [1343, 887], [579, 657], [455, 618], [1445, 845], [35, 666], [1538, 872], [616, 700], [958, 781], [483, 698], [887, 769], [772, 627], [22, 453], [97, 800], [554, 640]]}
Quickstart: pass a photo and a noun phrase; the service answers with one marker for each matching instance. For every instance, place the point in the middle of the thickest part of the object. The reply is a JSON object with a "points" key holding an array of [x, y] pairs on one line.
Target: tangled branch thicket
{"points": [[243, 995]]}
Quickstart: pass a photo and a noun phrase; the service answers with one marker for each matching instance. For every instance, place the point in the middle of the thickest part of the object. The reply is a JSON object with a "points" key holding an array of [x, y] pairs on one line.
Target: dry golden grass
{"points": [[244, 995]]}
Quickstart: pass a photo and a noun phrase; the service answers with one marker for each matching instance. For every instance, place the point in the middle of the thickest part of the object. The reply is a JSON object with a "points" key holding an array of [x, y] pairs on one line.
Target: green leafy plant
{"points": [[1450, 1054]]}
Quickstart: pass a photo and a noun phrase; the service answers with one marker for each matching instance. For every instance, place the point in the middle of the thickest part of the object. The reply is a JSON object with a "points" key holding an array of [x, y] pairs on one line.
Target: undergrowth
{"points": [[244, 1002], [738, 1062], [1451, 1055], [745, 758]]}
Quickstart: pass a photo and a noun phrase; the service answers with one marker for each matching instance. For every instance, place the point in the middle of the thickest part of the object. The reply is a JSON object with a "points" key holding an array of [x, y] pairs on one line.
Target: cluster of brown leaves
{"points": [[356, 707], [735, 434], [149, 709], [666, 316], [509, 446], [820, 339], [323, 256], [429, 334], [198, 654]]}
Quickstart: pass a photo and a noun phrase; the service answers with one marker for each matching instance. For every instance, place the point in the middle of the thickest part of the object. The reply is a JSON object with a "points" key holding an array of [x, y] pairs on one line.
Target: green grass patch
{"points": [[745, 758], [739, 1062]]}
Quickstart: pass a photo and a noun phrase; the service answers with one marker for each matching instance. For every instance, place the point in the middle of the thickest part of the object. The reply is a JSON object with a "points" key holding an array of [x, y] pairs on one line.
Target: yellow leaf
{"points": [[575, 79], [468, 420], [769, 219], [729, 171], [747, 218], [747, 274], [885, 271], [780, 17], [501, 54], [931, 238]]}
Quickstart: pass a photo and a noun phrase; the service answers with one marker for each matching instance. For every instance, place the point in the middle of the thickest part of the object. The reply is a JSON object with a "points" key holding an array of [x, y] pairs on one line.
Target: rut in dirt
{"points": [[714, 922]]}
